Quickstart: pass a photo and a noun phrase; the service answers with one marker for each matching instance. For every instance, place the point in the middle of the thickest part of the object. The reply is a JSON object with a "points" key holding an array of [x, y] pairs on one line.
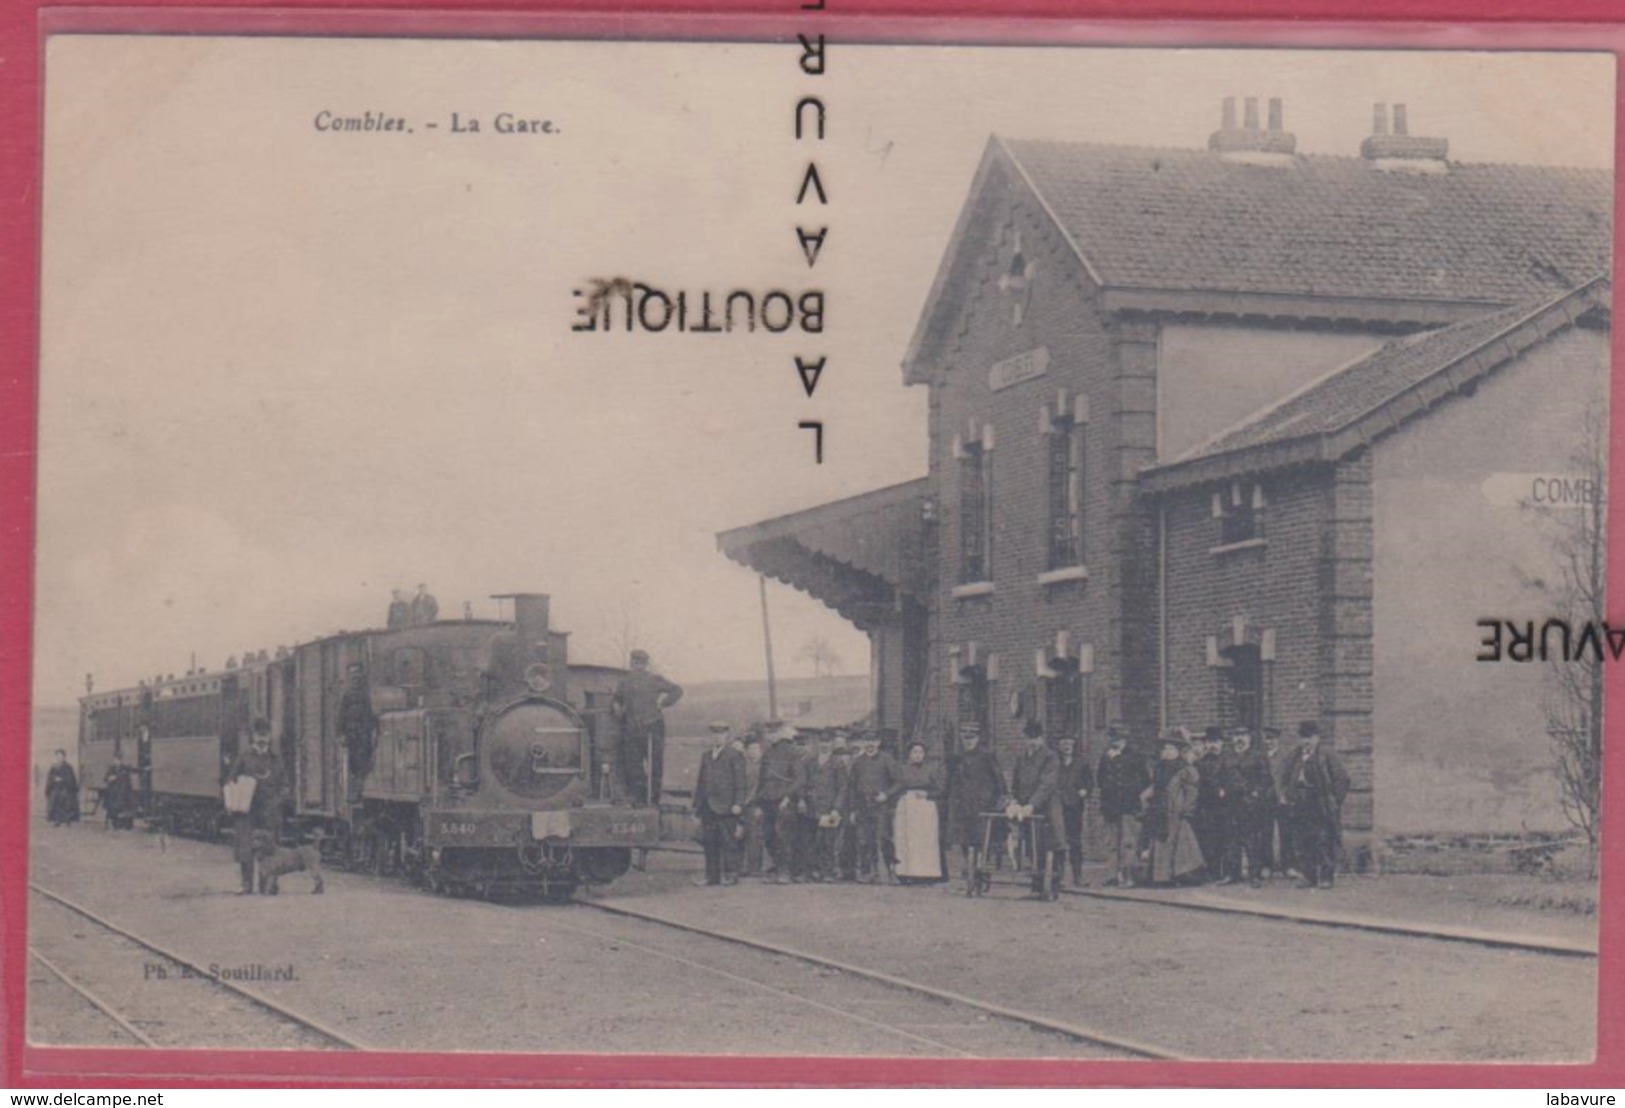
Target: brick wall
{"points": [[1059, 314], [1463, 744]]}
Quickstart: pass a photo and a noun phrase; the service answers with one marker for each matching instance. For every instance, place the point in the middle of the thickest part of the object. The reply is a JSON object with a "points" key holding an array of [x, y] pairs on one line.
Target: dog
{"points": [[275, 860]]}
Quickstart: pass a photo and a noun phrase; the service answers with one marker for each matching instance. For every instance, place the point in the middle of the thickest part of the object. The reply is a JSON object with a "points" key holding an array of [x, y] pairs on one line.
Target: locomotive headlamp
{"points": [[538, 677]]}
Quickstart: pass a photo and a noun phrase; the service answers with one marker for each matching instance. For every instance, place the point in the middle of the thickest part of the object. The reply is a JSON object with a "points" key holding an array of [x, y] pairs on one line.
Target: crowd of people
{"points": [[1221, 807]]}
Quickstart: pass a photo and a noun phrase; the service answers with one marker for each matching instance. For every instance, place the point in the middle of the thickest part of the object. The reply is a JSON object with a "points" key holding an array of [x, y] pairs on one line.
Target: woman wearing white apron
{"points": [[914, 827]]}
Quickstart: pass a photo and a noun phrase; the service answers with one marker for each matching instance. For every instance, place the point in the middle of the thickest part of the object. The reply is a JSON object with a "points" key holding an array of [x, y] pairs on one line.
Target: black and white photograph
{"points": [[804, 548]]}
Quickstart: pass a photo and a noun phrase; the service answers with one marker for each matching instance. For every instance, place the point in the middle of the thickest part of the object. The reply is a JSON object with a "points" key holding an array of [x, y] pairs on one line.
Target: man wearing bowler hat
{"points": [[1035, 783], [1121, 777], [719, 801], [1316, 784]]}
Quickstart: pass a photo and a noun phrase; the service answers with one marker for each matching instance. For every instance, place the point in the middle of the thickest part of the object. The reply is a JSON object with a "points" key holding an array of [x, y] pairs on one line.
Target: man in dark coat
{"points": [[1209, 819], [1249, 791], [1035, 791], [1316, 784], [400, 610], [425, 608], [749, 830], [1074, 784], [975, 787], [822, 806], [118, 795], [720, 792], [639, 701], [265, 810], [846, 843], [1121, 776], [358, 728], [61, 792], [778, 787], [875, 783], [1280, 856]]}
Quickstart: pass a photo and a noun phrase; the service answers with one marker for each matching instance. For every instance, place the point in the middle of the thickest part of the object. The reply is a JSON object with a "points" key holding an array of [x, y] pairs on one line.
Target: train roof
{"points": [[206, 682]]}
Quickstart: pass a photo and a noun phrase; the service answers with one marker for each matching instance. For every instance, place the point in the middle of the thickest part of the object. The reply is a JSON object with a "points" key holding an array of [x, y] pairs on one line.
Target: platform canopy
{"points": [[862, 556]]}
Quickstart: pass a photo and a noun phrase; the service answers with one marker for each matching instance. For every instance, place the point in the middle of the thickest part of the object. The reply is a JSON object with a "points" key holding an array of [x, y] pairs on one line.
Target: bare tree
{"points": [[1573, 698], [616, 632], [826, 662]]}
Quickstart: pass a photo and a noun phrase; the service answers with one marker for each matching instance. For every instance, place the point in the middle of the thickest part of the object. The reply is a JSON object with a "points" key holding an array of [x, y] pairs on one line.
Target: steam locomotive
{"points": [[485, 779]]}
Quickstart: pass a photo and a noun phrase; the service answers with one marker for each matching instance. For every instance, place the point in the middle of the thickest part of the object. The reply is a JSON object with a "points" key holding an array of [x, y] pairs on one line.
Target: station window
{"points": [[1240, 512], [975, 513], [973, 701], [1065, 441], [1241, 692], [1063, 701]]}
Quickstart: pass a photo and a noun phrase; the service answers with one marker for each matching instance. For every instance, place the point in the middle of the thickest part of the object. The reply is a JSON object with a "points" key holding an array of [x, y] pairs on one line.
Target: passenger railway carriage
{"points": [[484, 779]]}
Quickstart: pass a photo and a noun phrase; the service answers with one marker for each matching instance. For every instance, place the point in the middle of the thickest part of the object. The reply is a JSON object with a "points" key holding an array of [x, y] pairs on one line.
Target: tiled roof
{"points": [[1309, 424], [1189, 220]]}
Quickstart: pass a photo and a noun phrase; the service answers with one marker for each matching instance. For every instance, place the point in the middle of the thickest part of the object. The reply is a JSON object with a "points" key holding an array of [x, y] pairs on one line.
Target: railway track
{"points": [[1468, 936], [1437, 933], [266, 1019], [1074, 1032]]}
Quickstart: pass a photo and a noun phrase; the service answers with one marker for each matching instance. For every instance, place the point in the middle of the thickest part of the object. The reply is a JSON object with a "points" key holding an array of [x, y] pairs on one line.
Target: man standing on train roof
{"points": [[719, 800], [639, 701], [425, 608], [400, 610], [265, 807], [358, 728]]}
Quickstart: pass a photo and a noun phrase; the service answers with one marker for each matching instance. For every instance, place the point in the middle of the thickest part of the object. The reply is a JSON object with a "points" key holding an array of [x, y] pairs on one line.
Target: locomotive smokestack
{"points": [[530, 611]]}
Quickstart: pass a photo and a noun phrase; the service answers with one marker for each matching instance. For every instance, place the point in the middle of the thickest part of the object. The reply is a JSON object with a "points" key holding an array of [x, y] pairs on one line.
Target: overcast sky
{"points": [[285, 370]]}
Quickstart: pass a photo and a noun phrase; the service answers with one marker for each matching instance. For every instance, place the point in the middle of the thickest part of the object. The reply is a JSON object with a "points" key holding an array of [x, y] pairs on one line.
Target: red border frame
{"points": [[1562, 24]]}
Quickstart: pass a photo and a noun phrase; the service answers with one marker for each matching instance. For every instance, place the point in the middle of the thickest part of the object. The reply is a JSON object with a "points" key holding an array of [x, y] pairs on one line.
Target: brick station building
{"points": [[1239, 436]]}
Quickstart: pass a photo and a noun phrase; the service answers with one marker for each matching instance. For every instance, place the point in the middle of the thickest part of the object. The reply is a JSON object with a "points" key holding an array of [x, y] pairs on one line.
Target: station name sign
{"points": [[1022, 367], [1540, 490]]}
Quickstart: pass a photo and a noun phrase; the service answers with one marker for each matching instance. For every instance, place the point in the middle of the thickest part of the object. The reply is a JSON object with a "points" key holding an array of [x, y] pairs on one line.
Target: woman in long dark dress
{"points": [[61, 792], [265, 808], [975, 785]]}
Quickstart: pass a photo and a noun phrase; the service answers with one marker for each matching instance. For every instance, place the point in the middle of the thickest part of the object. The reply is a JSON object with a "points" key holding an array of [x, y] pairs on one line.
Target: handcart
{"points": [[1017, 839]]}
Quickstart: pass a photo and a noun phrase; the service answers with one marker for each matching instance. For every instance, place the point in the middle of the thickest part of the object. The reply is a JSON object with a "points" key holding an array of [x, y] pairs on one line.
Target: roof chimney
{"points": [[1251, 144], [1400, 150]]}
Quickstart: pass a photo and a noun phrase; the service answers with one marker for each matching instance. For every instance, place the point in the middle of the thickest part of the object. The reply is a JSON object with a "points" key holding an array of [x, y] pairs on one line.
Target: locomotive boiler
{"points": [[484, 777]]}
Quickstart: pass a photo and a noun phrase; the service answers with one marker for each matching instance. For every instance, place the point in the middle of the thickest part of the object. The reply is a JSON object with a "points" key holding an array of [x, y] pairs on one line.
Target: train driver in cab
{"points": [[358, 728]]}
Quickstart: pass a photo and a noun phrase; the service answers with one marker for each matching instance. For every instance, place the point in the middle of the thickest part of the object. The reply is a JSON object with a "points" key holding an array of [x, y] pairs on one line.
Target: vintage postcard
{"points": [[804, 548]]}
